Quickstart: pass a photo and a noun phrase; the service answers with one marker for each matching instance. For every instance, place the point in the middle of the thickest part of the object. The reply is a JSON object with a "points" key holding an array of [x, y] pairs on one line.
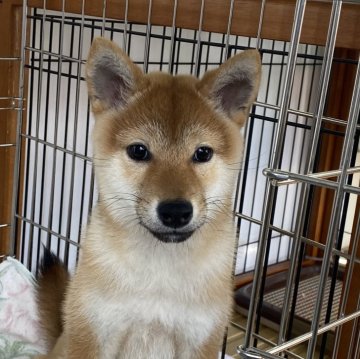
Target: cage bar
{"points": [[270, 193]]}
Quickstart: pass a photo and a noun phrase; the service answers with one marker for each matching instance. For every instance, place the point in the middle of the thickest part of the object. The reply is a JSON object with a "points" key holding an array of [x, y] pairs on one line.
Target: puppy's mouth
{"points": [[171, 237], [174, 236]]}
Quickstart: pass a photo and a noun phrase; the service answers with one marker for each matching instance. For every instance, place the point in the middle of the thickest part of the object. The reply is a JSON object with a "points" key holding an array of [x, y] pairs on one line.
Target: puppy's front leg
{"points": [[73, 347], [58, 352], [209, 349], [151, 342]]}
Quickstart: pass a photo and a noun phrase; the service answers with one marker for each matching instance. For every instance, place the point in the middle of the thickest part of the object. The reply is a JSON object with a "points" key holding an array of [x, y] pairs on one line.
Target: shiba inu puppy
{"points": [[154, 275]]}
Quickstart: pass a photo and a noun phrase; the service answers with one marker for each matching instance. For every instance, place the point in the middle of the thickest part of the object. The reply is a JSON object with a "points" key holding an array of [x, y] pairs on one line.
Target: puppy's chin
{"points": [[172, 237]]}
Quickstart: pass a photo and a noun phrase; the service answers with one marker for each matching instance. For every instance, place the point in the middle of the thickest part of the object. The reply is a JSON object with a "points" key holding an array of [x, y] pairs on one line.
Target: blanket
{"points": [[19, 335]]}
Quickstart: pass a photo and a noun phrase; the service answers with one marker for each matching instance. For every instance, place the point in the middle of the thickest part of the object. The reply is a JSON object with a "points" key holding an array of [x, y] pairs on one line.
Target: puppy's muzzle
{"points": [[175, 213]]}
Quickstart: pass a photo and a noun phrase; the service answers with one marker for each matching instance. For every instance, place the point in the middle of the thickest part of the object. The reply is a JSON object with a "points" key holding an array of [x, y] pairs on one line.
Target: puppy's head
{"points": [[166, 148]]}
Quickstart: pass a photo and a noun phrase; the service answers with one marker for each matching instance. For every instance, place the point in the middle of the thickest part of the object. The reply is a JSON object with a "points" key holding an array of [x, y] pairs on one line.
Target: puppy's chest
{"points": [[127, 312], [175, 301]]}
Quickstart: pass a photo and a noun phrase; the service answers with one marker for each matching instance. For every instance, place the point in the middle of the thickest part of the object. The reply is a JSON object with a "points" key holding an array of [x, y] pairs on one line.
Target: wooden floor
{"points": [[236, 338]]}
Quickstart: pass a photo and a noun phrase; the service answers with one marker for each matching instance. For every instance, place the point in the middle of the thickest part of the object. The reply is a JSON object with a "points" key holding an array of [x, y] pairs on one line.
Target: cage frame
{"points": [[267, 26]]}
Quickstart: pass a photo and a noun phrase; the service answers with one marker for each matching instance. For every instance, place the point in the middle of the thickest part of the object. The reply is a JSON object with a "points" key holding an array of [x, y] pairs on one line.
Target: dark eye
{"points": [[138, 152], [203, 154]]}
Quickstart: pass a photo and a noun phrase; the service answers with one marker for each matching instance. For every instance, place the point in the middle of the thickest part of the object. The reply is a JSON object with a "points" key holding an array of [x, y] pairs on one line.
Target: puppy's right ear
{"points": [[112, 78]]}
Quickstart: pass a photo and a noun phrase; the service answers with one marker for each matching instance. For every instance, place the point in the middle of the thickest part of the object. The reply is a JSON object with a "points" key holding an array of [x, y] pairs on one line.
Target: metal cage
{"points": [[297, 200]]}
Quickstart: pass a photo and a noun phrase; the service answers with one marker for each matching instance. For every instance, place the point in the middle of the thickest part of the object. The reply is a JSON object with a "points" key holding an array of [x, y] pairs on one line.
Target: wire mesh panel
{"points": [[282, 176], [59, 187], [56, 99]]}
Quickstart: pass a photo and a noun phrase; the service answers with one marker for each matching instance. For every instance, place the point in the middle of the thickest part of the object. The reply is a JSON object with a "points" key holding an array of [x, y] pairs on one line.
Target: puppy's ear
{"points": [[111, 76], [233, 87]]}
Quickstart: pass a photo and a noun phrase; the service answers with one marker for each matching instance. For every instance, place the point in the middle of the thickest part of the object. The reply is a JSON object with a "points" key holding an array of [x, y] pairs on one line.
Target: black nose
{"points": [[175, 214]]}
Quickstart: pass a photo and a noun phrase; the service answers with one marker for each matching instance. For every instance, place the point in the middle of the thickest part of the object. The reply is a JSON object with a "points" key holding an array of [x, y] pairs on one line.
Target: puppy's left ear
{"points": [[233, 87]]}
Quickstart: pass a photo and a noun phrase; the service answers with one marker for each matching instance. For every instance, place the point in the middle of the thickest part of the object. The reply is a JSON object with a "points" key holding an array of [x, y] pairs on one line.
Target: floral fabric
{"points": [[19, 336]]}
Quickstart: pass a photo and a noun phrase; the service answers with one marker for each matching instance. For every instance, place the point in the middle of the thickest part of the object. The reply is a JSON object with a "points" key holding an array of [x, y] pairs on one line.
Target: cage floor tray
{"points": [[273, 298]]}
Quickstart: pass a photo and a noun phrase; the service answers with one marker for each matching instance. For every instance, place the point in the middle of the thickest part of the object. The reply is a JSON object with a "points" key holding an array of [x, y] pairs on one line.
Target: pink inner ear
{"points": [[109, 86], [234, 95]]}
